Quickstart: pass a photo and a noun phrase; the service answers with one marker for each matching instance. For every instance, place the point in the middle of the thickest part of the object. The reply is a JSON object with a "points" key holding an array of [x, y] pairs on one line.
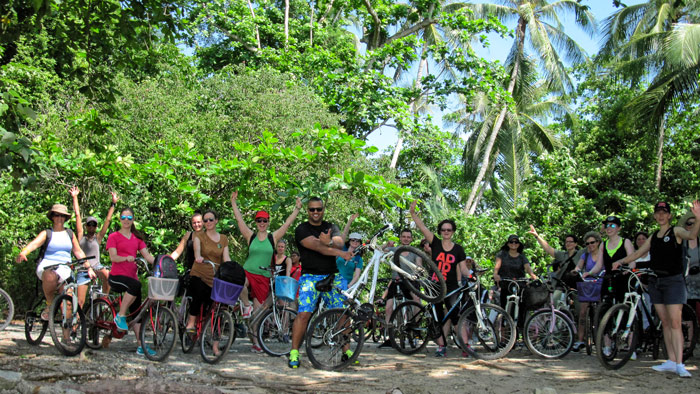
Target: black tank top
{"points": [[189, 251], [608, 260], [666, 254]]}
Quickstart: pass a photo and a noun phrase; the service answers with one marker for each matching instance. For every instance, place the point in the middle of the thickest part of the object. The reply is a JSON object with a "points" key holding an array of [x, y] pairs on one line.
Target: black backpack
{"points": [[42, 249], [272, 242], [231, 272]]}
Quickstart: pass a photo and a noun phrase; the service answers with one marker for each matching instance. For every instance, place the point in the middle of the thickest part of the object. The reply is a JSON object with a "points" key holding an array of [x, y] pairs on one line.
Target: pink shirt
{"points": [[125, 247]]}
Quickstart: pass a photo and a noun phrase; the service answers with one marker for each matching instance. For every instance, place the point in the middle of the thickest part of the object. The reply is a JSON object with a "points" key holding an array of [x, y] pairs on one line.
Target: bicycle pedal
{"points": [[106, 340]]}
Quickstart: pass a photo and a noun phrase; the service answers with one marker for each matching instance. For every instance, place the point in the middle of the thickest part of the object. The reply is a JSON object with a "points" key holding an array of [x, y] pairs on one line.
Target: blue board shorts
{"points": [[308, 295]]}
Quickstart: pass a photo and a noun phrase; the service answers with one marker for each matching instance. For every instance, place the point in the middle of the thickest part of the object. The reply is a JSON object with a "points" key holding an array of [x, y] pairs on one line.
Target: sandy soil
{"points": [[119, 369]]}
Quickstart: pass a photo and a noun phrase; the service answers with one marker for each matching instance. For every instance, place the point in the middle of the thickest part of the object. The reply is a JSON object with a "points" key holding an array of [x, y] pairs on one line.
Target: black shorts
{"points": [[121, 284], [444, 306], [668, 290], [394, 288]]}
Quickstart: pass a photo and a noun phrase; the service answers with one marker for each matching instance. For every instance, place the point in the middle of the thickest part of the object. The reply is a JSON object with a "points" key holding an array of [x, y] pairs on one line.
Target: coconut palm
{"points": [[537, 23], [659, 38]]}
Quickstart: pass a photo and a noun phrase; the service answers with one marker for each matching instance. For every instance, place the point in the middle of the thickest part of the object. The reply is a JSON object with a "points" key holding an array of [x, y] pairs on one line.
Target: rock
{"points": [[545, 390], [394, 390], [9, 379]]}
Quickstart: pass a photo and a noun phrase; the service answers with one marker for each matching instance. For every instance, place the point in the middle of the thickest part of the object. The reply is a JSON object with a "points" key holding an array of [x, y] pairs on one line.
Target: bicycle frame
{"points": [[632, 298]]}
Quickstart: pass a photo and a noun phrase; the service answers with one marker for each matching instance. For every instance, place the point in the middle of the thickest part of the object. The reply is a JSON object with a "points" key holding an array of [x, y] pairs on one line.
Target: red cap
{"points": [[262, 214]]}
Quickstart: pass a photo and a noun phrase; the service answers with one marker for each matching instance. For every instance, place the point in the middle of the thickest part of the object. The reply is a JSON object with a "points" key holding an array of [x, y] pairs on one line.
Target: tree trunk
{"points": [[475, 204], [257, 32], [286, 23], [520, 31], [417, 84], [660, 152], [311, 24]]}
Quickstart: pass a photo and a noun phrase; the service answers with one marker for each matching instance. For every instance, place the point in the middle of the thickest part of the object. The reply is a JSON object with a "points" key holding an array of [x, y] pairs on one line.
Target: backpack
{"points": [[231, 272], [42, 249], [165, 267]]}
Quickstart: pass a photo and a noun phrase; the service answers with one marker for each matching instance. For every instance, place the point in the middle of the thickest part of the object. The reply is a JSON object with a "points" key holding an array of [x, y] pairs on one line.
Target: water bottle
{"points": [[156, 271]]}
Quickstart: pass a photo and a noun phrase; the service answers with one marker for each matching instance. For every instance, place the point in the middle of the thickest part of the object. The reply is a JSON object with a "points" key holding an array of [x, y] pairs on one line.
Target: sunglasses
{"points": [[260, 220], [208, 220], [611, 225], [127, 217], [316, 209], [91, 224], [591, 243], [449, 230], [689, 223], [514, 242], [355, 240]]}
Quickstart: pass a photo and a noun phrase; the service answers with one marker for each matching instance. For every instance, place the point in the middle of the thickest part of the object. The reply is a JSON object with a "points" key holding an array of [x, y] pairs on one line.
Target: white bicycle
{"points": [[341, 330]]}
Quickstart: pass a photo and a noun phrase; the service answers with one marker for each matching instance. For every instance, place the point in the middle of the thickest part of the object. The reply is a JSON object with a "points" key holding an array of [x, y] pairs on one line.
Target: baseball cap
{"points": [[662, 206], [91, 219], [612, 219], [355, 236], [262, 214]]}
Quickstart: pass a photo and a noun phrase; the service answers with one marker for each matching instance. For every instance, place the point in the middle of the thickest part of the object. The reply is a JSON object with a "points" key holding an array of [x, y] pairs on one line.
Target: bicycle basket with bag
{"points": [[231, 272], [535, 295], [589, 291]]}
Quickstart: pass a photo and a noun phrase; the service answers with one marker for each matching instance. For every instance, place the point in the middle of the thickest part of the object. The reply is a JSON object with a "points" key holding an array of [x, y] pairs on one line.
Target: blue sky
{"points": [[498, 50]]}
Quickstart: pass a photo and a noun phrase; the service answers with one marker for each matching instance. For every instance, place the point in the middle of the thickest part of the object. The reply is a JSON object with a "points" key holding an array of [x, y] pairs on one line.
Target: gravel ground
{"points": [[118, 369]]}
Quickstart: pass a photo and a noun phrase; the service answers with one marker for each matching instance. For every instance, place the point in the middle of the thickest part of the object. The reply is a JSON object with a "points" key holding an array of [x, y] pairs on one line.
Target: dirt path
{"points": [[25, 368]]}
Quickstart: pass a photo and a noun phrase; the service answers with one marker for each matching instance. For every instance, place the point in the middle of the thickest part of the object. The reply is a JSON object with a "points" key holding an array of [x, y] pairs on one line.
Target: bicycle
{"points": [[274, 326], [158, 323], [66, 319], [220, 326], [7, 309], [548, 332], [484, 330], [34, 326], [621, 326], [341, 330]]}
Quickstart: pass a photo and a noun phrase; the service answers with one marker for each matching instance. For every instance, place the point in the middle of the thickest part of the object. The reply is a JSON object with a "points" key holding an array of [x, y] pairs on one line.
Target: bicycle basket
{"points": [[286, 288], [535, 295], [589, 291], [225, 292], [162, 289]]}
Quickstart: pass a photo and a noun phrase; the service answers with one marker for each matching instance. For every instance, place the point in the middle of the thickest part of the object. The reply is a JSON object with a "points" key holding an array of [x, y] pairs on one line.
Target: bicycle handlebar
{"points": [[72, 263]]}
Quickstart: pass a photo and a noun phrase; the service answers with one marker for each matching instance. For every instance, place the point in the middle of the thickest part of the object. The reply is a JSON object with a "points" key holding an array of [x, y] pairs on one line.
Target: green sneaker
{"points": [[347, 355], [294, 359]]}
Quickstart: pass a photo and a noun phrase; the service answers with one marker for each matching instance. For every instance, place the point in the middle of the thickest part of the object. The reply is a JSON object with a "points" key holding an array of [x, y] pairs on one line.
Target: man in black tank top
{"points": [[667, 289]]}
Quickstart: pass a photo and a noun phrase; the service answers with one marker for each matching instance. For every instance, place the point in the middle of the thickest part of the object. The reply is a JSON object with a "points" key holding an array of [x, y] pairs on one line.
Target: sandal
{"points": [[191, 330], [45, 314]]}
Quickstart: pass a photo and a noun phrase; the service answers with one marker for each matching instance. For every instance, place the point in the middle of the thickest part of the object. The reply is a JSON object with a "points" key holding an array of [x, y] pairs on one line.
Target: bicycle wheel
{"points": [[549, 334], [68, 329], [158, 332], [489, 335], [616, 342], [217, 336], [275, 331], [7, 309], [427, 281], [34, 327], [408, 332], [342, 338], [100, 320]]}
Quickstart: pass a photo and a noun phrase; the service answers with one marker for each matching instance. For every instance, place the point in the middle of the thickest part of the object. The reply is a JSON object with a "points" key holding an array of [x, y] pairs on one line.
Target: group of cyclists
{"points": [[324, 253]]}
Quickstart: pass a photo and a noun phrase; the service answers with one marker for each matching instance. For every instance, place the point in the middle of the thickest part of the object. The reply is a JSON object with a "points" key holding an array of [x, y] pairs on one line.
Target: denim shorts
{"points": [[82, 278], [668, 290]]}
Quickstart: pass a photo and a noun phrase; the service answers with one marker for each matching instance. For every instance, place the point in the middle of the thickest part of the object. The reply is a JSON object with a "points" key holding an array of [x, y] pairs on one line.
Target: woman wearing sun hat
{"points": [[667, 289], [58, 250]]}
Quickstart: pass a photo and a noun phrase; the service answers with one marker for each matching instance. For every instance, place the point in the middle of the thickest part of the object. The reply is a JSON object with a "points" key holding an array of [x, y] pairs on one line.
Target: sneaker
{"points": [[347, 355], [441, 351], [577, 346], [667, 366], [120, 321], [633, 356], [151, 352], [607, 351], [294, 359], [256, 349], [681, 371], [247, 311], [384, 344]]}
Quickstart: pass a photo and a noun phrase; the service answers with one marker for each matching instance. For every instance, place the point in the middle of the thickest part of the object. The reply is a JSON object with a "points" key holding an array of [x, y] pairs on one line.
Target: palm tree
{"points": [[539, 24], [658, 37], [522, 136]]}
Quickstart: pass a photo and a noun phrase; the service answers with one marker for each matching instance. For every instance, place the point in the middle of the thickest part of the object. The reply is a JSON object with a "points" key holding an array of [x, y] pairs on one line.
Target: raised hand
{"points": [[533, 231], [115, 198], [696, 209], [234, 197], [74, 191], [298, 204], [412, 208]]}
